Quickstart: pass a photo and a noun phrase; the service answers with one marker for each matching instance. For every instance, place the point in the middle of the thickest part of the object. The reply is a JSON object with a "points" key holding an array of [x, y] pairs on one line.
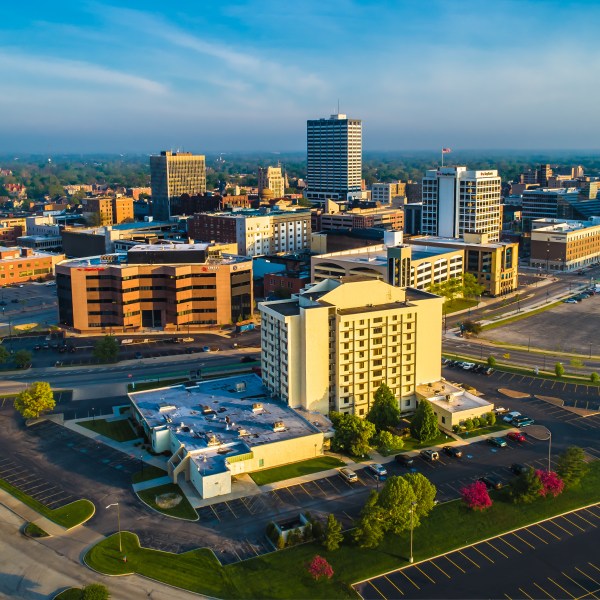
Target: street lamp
{"points": [[412, 511], [118, 523], [542, 433]]}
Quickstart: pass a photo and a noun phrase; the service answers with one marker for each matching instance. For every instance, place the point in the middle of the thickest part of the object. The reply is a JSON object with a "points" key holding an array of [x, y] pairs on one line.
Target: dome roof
{"points": [[267, 193]]}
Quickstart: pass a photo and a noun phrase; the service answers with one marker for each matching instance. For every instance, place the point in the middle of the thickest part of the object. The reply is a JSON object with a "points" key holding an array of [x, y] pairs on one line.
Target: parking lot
{"points": [[561, 563]]}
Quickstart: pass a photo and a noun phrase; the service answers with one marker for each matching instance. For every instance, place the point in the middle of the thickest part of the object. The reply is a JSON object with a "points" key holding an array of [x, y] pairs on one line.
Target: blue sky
{"points": [[220, 76]]}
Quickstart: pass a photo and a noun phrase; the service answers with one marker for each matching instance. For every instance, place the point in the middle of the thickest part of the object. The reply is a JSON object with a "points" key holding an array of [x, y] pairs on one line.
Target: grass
{"points": [[152, 385], [120, 431], [67, 516], [184, 510], [283, 574], [412, 444], [70, 594], [519, 317], [148, 473], [460, 304], [33, 531], [305, 467], [465, 435]]}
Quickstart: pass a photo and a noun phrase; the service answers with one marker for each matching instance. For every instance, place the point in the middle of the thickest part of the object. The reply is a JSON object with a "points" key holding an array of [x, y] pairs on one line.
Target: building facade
{"points": [[546, 204], [386, 192], [108, 210], [179, 287], [271, 178], [458, 201], [173, 174], [334, 158], [332, 217], [19, 265], [330, 347]]}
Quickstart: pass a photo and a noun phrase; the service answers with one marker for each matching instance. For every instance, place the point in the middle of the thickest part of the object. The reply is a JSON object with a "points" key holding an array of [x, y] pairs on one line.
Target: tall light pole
{"points": [[549, 450], [118, 523], [412, 511]]}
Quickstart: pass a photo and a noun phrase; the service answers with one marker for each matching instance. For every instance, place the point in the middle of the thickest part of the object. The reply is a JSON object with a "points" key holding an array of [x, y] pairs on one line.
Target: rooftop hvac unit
{"points": [[257, 407], [278, 426]]}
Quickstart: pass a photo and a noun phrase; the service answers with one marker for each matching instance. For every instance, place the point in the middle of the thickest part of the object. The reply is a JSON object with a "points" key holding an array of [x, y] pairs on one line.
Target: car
{"points": [[429, 455], [378, 470], [497, 441], [138, 355], [348, 475], [21, 285], [37, 347], [205, 348], [518, 468], [15, 301], [452, 451], [3, 302], [72, 349], [522, 421], [247, 359], [491, 482], [187, 340], [488, 371], [500, 410], [510, 416], [189, 350], [570, 301], [404, 459], [62, 349], [468, 366], [515, 436]]}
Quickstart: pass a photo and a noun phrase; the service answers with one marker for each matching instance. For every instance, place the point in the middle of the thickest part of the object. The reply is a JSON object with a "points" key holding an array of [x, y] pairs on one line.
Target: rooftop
{"points": [[448, 241], [451, 398]]}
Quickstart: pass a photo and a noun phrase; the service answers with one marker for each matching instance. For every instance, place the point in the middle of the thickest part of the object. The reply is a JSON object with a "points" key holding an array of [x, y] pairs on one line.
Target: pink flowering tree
{"points": [[476, 496], [319, 568], [552, 484]]}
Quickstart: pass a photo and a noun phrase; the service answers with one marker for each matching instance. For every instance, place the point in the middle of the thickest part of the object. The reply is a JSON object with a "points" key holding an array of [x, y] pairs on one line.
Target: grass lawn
{"points": [[120, 431], [283, 575], [32, 530], [184, 510], [149, 472], [152, 385], [305, 467], [67, 516], [70, 594], [465, 435], [412, 444], [460, 304]]}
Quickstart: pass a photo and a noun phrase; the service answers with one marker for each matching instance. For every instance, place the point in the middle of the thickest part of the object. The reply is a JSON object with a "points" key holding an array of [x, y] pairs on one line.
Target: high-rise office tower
{"points": [[334, 158], [173, 174], [271, 178], [458, 201]]}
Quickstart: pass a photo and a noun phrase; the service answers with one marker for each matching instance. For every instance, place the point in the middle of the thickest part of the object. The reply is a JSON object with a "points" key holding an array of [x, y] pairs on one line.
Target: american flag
{"points": [[446, 150]]}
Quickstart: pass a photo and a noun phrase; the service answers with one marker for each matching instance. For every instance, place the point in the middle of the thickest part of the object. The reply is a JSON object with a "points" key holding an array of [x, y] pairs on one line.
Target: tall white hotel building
{"points": [[458, 201], [334, 158]]}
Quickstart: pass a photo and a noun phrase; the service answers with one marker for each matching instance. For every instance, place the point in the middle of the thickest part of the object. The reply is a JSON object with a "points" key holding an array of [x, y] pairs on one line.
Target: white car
{"points": [[511, 415], [467, 366], [500, 410]]}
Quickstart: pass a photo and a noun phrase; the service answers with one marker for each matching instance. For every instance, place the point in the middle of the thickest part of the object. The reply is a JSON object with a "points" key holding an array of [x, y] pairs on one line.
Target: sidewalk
{"points": [[28, 514]]}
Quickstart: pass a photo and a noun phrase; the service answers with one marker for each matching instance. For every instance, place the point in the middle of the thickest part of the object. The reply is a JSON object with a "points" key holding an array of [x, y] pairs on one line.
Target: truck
{"points": [[244, 326]]}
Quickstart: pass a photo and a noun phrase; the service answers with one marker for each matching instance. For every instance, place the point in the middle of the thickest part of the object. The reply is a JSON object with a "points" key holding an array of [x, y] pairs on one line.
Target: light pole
{"points": [[412, 510], [549, 450], [118, 523]]}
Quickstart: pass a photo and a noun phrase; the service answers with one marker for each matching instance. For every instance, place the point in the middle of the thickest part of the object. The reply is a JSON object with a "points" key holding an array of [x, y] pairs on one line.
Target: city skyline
{"points": [[97, 77]]}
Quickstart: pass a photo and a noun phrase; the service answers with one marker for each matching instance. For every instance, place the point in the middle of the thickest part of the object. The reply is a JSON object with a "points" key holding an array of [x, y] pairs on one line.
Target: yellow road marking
{"points": [[543, 591], [459, 568], [584, 519], [394, 584], [507, 597], [407, 577], [524, 592], [482, 554], [561, 587], [587, 509], [561, 527], [440, 569], [509, 544], [586, 575], [378, 590], [430, 579], [460, 552], [578, 584], [574, 524], [537, 536], [496, 549], [524, 541], [547, 531], [595, 567]]}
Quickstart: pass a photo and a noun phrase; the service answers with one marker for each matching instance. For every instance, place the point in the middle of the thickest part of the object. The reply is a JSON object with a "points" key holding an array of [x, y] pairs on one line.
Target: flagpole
{"points": [[442, 157]]}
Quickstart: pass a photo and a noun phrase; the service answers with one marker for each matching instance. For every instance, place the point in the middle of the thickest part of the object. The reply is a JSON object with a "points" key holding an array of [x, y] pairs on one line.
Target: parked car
{"points": [[452, 451], [187, 340], [500, 410], [489, 371], [468, 366], [522, 421], [3, 302], [138, 355], [511, 415], [72, 349], [404, 459], [37, 347], [518, 468], [515, 436], [570, 301], [429, 455], [377, 470], [497, 441], [491, 482], [247, 359], [205, 348], [348, 474]]}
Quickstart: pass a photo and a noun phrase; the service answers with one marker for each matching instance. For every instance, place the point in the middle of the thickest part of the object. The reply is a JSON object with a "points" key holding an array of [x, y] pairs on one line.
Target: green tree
{"points": [[425, 493], [387, 441], [352, 434], [472, 327], [107, 349], [4, 355], [594, 377], [490, 418], [559, 369], [384, 412], [34, 400], [22, 358], [333, 534], [95, 591], [423, 425], [370, 528], [470, 287], [491, 361], [396, 499], [571, 466], [525, 488]]}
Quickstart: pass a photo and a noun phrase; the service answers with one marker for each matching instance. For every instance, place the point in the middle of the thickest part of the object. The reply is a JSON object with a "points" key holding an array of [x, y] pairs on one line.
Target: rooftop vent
{"points": [[278, 426], [257, 406]]}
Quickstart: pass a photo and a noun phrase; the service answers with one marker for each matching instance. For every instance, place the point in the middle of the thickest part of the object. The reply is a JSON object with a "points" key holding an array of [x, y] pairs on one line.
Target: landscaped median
{"points": [[119, 430], [68, 516], [297, 469], [169, 500], [283, 574]]}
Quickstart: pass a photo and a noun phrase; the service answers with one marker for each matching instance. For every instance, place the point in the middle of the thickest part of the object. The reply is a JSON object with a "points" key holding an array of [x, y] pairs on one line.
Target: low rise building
{"points": [[10, 229], [333, 217], [19, 265], [386, 192], [218, 429], [108, 210], [45, 243]]}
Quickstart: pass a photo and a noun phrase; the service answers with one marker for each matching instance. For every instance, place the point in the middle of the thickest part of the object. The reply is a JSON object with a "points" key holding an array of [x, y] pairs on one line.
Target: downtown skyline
{"points": [[95, 77]]}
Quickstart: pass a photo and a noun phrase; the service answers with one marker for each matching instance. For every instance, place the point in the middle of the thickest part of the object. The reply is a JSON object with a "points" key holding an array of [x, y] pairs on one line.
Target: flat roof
{"points": [[460, 400], [287, 308], [221, 418], [447, 241]]}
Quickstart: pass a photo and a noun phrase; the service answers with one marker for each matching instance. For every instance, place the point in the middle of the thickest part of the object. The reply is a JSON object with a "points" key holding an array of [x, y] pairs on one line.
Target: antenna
{"points": [[338, 112]]}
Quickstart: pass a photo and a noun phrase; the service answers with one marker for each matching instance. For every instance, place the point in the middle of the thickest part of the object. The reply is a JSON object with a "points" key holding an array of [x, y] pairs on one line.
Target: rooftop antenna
{"points": [[338, 112]]}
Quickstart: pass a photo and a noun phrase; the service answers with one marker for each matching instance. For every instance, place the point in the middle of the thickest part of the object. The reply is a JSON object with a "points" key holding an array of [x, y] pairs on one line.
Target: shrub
{"points": [[317, 530], [559, 370], [594, 377], [319, 567], [95, 591], [280, 542], [491, 419], [552, 484], [476, 423], [476, 496], [491, 361], [333, 535], [571, 466], [468, 424], [456, 428]]}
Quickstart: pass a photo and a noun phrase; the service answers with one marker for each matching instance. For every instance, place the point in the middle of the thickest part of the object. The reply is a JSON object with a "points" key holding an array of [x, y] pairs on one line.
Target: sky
{"points": [[95, 76]]}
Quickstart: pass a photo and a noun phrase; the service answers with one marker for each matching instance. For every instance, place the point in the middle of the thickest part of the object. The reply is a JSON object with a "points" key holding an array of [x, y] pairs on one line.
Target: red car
{"points": [[515, 436]]}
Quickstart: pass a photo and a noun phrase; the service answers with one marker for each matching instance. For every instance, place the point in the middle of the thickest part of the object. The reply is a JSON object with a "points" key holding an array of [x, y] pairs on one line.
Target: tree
{"points": [[425, 493], [423, 425], [370, 528], [352, 434], [476, 496], [396, 499], [594, 377], [571, 466], [470, 287], [387, 441], [559, 369], [319, 568], [552, 484], [22, 358], [95, 591], [333, 535], [34, 400], [384, 412], [491, 361], [472, 327], [491, 419], [4, 355], [525, 488], [107, 349]]}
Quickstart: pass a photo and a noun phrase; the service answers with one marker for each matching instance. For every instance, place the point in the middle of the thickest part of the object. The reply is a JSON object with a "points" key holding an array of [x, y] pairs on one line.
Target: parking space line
{"points": [[377, 589], [482, 554], [231, 509], [440, 569], [574, 524], [561, 527], [215, 513], [496, 549], [592, 513], [394, 584], [586, 575], [524, 541], [594, 566], [409, 579], [526, 594], [561, 587], [544, 591], [509, 544], [469, 559], [430, 579], [578, 584], [459, 568], [507, 597], [547, 531]]}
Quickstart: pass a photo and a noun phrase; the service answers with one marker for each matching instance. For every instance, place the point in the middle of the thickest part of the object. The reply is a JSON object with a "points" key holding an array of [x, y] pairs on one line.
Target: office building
{"points": [[271, 178], [332, 216], [173, 287], [546, 203], [10, 229], [173, 174], [331, 346], [457, 201], [386, 192], [19, 265], [334, 158], [107, 210]]}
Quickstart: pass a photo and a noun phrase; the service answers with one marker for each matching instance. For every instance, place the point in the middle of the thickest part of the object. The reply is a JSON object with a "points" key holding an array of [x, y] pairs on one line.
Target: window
{"points": [[261, 462]]}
